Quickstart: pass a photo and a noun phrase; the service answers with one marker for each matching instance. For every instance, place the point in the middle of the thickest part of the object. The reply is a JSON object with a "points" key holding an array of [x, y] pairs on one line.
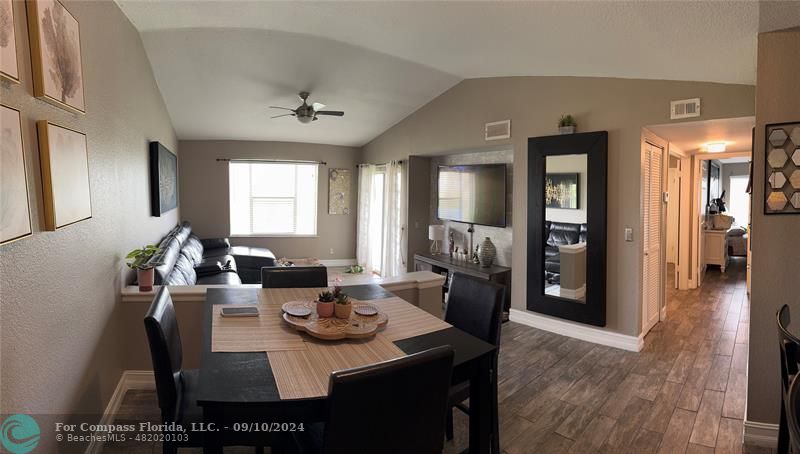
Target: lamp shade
{"points": [[436, 232]]}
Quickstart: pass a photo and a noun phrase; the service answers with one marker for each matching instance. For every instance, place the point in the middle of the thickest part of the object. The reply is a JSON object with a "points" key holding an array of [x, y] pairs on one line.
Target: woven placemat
{"points": [[305, 374], [267, 332], [407, 320]]}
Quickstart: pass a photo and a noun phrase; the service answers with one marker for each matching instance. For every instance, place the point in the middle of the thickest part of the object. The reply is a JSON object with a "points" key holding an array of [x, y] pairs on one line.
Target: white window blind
{"points": [[271, 198]]}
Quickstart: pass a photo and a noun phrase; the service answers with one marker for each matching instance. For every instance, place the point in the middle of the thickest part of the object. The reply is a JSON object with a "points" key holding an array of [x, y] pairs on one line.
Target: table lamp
{"points": [[436, 234]]}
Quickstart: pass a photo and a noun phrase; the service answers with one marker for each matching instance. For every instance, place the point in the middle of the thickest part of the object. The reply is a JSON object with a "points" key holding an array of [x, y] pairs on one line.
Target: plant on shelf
{"points": [[141, 261], [325, 302], [343, 304], [355, 269], [566, 124]]}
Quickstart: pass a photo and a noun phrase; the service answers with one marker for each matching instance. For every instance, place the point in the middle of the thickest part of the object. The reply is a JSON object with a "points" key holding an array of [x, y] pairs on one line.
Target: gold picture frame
{"points": [[56, 56], [9, 64], [66, 187], [15, 216]]}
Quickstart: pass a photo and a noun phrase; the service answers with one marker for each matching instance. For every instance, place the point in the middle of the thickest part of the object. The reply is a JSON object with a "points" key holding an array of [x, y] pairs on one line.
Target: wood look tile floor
{"points": [[684, 393]]}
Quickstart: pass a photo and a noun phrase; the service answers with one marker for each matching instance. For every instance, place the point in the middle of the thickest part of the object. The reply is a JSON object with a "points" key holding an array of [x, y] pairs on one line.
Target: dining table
{"points": [[256, 382]]}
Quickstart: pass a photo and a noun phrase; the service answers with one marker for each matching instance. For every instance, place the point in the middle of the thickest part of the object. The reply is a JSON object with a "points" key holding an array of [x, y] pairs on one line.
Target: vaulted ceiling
{"points": [[219, 64]]}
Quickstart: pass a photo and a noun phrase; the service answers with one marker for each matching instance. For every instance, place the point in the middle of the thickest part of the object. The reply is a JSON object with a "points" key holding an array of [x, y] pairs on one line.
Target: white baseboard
{"points": [[578, 331], [130, 379], [761, 434]]}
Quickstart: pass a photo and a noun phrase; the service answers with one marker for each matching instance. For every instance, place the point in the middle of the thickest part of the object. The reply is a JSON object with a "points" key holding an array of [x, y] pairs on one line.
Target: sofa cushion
{"points": [[223, 278], [183, 273], [166, 258], [193, 249], [563, 233], [222, 260]]}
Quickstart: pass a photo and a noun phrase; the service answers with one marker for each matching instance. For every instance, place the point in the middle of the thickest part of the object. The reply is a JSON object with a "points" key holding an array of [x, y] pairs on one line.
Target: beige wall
{"points": [[455, 121], [205, 203], [59, 291], [775, 245]]}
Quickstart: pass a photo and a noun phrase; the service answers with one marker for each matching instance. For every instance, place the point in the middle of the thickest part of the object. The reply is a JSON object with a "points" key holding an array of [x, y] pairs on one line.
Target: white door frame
{"points": [[649, 138]]}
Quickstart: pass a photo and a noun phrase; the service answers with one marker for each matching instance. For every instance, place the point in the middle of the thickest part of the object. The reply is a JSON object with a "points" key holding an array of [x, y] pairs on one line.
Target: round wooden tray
{"points": [[357, 326]]}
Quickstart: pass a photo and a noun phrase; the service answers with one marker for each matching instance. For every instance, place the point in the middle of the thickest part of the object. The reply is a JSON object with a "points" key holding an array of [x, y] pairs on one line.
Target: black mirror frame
{"points": [[595, 146]]}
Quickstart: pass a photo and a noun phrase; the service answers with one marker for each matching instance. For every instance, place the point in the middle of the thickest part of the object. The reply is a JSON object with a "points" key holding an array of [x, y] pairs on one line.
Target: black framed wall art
{"points": [[782, 178], [163, 179]]}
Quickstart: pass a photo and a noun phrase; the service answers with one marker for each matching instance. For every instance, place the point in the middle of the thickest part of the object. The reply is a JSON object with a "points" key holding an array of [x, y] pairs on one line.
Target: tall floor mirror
{"points": [[567, 181]]}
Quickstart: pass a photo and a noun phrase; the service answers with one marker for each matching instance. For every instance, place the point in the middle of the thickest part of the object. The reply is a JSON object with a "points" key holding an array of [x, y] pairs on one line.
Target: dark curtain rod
{"points": [[284, 161], [381, 164]]}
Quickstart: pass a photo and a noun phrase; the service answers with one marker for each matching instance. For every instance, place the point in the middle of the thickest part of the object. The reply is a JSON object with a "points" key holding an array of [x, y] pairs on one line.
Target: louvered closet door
{"points": [[652, 160]]}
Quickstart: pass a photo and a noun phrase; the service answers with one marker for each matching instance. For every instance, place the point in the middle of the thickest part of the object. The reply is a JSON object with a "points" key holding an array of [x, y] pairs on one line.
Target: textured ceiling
{"points": [[218, 63]]}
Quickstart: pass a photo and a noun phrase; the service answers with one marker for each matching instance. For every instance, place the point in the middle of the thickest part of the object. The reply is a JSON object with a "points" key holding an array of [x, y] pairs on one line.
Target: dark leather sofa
{"points": [[185, 259], [559, 234]]}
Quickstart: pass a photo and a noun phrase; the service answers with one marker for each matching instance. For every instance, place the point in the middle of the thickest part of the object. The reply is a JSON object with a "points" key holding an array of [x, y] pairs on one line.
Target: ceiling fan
{"points": [[307, 113]]}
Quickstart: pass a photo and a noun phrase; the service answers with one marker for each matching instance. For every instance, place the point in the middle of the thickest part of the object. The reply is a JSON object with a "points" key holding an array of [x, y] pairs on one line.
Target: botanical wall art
{"points": [[15, 215], [65, 175], [56, 55], [561, 190], [163, 179], [782, 179], [8, 42], [339, 191]]}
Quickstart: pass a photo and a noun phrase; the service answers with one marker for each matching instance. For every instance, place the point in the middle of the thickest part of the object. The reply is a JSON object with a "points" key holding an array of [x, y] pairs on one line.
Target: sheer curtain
{"points": [[381, 219]]}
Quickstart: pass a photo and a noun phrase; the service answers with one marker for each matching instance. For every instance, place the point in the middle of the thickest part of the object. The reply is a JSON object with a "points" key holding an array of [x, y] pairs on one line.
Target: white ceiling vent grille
{"points": [[685, 108], [498, 130]]}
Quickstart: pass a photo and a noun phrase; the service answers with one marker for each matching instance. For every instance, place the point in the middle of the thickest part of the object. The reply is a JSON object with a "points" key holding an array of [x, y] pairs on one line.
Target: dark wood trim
{"points": [[595, 145]]}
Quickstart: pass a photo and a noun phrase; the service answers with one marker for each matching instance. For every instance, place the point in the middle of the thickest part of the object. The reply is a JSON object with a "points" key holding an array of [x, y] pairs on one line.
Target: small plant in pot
{"points": [[343, 304], [566, 124], [140, 260], [325, 302]]}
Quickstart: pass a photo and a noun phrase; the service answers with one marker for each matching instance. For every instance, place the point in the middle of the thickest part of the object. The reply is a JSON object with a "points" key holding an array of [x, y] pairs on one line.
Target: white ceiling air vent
{"points": [[685, 108], [498, 130]]}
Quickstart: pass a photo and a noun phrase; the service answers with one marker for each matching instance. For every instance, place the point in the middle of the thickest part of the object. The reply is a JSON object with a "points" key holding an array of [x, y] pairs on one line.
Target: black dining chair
{"points": [[476, 306], [793, 415], [396, 406], [294, 276], [176, 387], [790, 358]]}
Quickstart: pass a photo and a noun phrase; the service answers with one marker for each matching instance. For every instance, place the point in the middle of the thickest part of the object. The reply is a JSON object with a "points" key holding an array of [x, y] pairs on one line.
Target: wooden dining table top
{"points": [[244, 379]]}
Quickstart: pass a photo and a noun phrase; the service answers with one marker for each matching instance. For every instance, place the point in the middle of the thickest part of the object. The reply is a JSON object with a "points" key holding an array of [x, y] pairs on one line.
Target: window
{"points": [[273, 199], [739, 205]]}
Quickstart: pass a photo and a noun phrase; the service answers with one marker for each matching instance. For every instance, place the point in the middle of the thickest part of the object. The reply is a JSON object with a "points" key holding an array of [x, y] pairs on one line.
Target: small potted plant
{"points": [[566, 124], [343, 304], [325, 302], [140, 260]]}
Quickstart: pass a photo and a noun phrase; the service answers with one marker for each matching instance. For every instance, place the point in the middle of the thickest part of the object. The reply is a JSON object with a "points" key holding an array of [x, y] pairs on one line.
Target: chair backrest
{"points": [[166, 352], [790, 347], [397, 406], [792, 414], [476, 306], [294, 276]]}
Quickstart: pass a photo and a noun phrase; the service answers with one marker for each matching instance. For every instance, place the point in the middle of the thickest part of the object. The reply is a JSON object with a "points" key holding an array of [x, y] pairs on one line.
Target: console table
{"points": [[443, 263]]}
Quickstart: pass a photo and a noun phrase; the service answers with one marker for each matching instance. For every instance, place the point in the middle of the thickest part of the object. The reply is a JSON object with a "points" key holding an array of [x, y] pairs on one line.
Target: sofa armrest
{"points": [[215, 243]]}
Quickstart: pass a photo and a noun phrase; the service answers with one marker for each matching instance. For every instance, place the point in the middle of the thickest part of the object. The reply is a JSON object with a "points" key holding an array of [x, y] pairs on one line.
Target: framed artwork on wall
{"points": [[15, 213], [56, 55], [339, 191], [9, 68], [561, 190], [64, 159], [163, 179], [782, 178]]}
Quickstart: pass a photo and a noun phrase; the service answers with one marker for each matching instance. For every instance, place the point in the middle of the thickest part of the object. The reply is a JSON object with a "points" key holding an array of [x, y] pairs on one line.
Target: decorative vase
{"points": [[325, 309], [343, 310], [145, 278], [566, 129], [488, 253]]}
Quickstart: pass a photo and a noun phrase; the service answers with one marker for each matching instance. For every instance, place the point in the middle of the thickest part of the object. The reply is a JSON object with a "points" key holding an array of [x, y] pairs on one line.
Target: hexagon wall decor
{"points": [[777, 158], [777, 137], [782, 168]]}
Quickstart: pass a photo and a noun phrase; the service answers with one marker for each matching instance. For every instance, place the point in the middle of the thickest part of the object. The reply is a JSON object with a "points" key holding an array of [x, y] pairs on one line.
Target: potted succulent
{"points": [[325, 302], [343, 304], [566, 124], [140, 260]]}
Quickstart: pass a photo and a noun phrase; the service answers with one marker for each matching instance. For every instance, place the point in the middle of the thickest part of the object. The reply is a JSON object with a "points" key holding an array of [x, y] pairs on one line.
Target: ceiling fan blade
{"points": [[284, 108], [317, 106], [284, 115], [335, 113]]}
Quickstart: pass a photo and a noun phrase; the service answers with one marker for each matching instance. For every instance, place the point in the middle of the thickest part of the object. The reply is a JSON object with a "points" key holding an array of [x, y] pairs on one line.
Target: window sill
{"points": [[277, 235]]}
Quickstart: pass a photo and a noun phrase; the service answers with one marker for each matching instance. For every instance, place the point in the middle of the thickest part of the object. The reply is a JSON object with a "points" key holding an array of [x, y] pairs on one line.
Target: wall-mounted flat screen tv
{"points": [[474, 194]]}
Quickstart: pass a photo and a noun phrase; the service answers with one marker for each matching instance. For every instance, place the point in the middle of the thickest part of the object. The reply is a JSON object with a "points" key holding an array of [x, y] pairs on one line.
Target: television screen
{"points": [[474, 194]]}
